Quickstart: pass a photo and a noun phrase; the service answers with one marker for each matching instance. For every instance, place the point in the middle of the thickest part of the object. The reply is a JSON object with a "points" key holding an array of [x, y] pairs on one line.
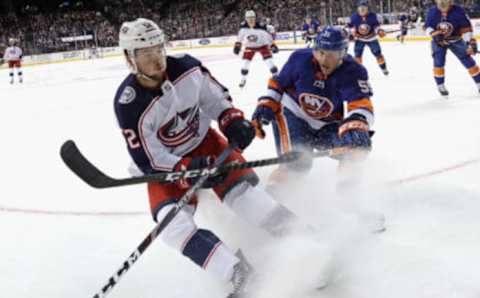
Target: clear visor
{"points": [[150, 53]]}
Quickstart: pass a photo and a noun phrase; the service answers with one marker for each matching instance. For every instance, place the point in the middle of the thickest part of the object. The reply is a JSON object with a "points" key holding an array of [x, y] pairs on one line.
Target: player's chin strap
{"points": [[134, 68]]}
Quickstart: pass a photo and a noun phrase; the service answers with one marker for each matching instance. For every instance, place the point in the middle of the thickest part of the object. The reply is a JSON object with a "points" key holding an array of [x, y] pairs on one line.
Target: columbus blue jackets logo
{"points": [[181, 128], [317, 107], [252, 38], [364, 29], [446, 28]]}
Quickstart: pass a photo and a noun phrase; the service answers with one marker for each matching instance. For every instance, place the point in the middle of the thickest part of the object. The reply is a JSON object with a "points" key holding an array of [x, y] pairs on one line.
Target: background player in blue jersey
{"points": [[310, 30], [164, 108], [404, 23], [365, 29], [407, 22], [451, 29]]}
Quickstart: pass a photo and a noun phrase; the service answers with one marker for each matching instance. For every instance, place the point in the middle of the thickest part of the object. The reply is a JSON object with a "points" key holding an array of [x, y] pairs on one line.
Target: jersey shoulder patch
{"points": [[126, 92], [127, 96]]}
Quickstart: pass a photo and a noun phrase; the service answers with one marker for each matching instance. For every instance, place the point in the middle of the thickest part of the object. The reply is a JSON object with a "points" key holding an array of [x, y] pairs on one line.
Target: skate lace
{"points": [[238, 279]]}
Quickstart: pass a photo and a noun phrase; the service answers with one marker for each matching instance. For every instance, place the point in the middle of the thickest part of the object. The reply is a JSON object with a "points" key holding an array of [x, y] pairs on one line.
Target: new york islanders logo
{"points": [[364, 29], [446, 28], [180, 128], [317, 107]]}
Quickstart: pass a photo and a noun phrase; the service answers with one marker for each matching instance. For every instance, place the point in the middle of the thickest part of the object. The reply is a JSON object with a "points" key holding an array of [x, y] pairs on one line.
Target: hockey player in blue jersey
{"points": [[164, 108], [305, 101], [305, 104], [310, 30], [365, 31], [451, 29], [404, 22]]}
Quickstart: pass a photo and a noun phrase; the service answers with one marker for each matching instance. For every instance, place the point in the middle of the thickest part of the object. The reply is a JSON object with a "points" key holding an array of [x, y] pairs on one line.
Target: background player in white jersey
{"points": [[13, 56], [164, 108], [257, 39]]}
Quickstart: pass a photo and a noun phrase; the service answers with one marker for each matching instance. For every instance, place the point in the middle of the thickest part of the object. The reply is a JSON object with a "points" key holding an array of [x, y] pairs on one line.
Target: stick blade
{"points": [[84, 169]]}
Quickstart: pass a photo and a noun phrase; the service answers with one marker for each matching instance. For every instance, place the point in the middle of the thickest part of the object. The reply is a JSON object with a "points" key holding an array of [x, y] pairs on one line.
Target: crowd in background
{"points": [[40, 32]]}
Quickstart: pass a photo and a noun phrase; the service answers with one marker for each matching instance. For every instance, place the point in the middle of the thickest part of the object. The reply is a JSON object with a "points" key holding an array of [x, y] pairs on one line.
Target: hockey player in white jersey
{"points": [[257, 39], [13, 56], [164, 108]]}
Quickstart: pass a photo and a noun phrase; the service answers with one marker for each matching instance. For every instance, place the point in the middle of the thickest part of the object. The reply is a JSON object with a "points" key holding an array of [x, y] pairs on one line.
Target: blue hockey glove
{"points": [[354, 132], [439, 38], [264, 114], [472, 47]]}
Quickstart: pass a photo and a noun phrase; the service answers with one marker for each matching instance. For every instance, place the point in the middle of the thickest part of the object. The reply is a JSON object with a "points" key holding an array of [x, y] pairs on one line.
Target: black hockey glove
{"points": [[199, 162], [237, 48], [274, 48], [236, 128]]}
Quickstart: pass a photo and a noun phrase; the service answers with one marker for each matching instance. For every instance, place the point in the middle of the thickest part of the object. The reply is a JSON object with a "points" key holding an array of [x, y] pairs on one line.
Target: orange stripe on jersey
{"points": [[283, 132], [465, 30], [364, 103], [359, 60], [273, 84], [439, 72], [474, 71]]}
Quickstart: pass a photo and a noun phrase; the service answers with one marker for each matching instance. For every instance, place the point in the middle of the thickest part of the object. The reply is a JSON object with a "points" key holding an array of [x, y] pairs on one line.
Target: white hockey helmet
{"points": [[138, 34], [250, 14]]}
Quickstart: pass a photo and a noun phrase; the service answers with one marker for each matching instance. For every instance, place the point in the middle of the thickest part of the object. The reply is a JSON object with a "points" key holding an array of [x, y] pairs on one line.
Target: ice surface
{"points": [[61, 238]]}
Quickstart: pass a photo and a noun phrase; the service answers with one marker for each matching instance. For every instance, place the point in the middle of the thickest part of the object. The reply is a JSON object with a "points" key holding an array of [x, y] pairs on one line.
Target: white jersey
{"points": [[161, 126], [13, 53], [255, 37]]}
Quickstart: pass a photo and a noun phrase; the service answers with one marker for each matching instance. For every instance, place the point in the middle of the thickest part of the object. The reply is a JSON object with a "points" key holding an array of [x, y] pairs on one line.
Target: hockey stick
{"points": [[184, 200], [91, 175], [398, 30]]}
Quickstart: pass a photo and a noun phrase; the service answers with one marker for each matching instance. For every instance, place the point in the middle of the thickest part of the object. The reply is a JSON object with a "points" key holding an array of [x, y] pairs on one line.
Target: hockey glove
{"points": [[195, 163], [265, 113], [237, 48], [274, 48], [236, 128], [439, 38], [472, 47], [381, 33], [354, 132]]}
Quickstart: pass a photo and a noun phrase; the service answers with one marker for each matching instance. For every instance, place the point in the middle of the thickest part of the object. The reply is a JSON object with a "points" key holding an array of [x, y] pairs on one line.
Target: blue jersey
{"points": [[303, 89], [365, 27], [453, 24], [162, 125], [404, 21], [311, 30]]}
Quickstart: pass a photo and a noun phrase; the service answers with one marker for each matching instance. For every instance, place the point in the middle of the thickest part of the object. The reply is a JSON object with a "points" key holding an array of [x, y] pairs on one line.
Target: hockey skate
{"points": [[242, 274], [443, 91], [385, 72], [243, 82]]}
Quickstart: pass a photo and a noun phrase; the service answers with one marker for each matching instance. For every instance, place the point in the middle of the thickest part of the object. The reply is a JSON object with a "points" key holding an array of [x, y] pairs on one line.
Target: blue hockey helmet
{"points": [[362, 3], [332, 39]]}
